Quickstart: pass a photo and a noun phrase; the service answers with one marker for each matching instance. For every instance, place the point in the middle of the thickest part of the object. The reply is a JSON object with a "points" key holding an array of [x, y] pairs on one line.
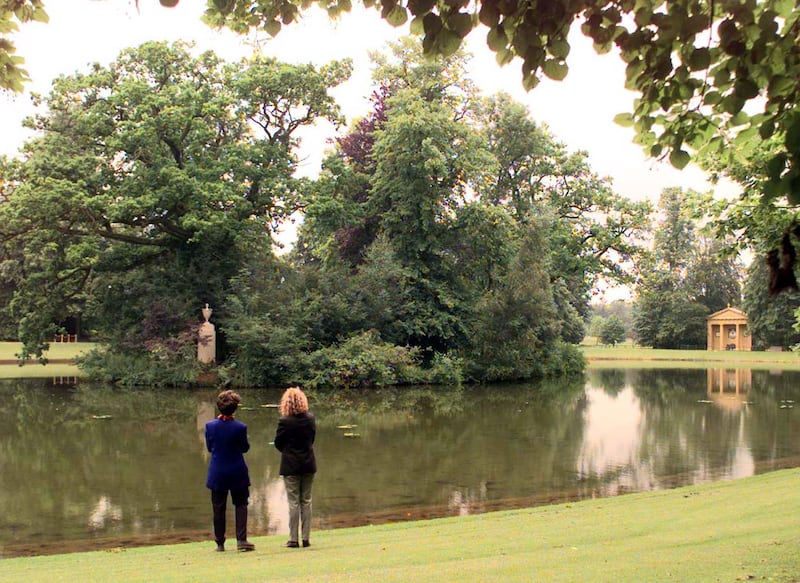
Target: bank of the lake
{"points": [[726, 531], [61, 355]]}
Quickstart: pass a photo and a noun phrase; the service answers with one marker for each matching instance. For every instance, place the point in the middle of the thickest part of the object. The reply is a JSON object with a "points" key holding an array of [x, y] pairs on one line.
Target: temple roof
{"points": [[729, 314]]}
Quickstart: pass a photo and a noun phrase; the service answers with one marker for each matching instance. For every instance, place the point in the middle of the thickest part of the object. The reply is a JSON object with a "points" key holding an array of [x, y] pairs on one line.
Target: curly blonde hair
{"points": [[293, 401]]}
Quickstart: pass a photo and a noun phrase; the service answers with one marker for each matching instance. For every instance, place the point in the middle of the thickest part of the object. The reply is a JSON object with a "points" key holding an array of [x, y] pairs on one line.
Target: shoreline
{"points": [[735, 530]]}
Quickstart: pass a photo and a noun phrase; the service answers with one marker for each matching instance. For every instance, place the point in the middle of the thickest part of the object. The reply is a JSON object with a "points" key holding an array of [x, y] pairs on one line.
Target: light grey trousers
{"points": [[298, 493]]}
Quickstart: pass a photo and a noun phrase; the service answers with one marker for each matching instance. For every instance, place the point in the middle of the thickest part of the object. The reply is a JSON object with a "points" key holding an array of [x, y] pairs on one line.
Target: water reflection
{"points": [[612, 431], [90, 466], [728, 388]]}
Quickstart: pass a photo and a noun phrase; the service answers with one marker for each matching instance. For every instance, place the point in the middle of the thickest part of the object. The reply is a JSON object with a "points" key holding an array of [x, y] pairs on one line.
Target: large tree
{"points": [[684, 280], [457, 214], [149, 186], [591, 228]]}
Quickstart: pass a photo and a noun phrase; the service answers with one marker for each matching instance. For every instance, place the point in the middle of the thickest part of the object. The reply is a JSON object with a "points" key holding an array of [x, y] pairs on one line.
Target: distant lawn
{"points": [[628, 355], [58, 352]]}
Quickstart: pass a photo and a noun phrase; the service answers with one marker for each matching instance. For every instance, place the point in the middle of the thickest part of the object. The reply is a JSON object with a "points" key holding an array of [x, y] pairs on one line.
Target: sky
{"points": [[579, 111]]}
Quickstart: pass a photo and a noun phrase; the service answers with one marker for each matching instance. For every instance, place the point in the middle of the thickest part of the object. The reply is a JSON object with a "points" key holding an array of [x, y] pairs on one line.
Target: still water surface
{"points": [[89, 466]]}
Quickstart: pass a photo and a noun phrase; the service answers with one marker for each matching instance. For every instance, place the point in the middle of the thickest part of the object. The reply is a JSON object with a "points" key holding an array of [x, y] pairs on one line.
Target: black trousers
{"points": [[219, 503]]}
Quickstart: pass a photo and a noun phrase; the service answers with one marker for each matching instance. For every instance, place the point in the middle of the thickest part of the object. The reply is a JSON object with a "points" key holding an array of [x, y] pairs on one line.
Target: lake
{"points": [[86, 466]]}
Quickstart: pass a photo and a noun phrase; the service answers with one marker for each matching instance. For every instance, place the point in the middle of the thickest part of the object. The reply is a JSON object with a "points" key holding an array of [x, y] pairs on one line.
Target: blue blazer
{"points": [[227, 442]]}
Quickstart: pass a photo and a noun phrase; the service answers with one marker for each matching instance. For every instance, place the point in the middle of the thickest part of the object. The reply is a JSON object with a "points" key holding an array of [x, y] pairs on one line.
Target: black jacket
{"points": [[295, 440]]}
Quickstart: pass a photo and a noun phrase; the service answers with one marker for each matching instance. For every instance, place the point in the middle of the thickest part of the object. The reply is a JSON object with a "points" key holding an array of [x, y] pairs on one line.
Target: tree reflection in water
{"points": [[93, 466]]}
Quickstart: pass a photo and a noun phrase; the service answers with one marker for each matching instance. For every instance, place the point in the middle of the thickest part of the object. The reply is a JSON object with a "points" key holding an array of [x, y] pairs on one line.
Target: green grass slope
{"points": [[727, 531]]}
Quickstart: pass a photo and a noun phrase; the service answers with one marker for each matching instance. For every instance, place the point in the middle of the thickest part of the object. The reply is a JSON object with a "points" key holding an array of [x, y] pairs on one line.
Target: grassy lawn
{"points": [[627, 355], [727, 531], [57, 352]]}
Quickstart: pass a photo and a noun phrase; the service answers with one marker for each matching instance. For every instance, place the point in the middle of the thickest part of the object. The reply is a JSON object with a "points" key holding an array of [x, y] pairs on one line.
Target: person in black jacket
{"points": [[226, 439], [294, 438]]}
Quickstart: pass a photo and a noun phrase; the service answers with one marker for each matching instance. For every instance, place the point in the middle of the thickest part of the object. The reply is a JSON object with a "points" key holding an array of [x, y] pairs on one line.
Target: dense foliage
{"points": [[711, 77], [472, 234], [448, 238], [771, 319], [612, 331], [714, 78], [152, 182]]}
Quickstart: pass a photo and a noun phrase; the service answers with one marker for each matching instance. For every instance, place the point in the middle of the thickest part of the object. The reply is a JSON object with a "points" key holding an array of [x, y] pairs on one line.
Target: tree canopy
{"points": [[448, 236], [150, 183], [13, 13], [713, 78]]}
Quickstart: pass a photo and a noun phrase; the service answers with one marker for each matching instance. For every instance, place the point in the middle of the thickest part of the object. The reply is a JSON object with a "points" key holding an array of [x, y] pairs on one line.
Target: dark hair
{"points": [[227, 402]]}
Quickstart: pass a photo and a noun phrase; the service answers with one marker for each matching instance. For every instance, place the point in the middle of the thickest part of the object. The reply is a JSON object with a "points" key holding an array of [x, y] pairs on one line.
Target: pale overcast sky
{"points": [[579, 111]]}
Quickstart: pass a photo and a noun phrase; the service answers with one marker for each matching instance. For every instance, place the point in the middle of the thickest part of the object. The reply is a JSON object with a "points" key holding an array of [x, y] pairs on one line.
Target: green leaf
{"points": [[766, 129], [39, 15], [530, 80], [448, 43], [489, 15], [679, 159], [732, 104], [775, 166], [700, 59], [460, 23], [559, 48], [397, 16], [496, 39], [503, 57], [792, 140], [624, 119], [792, 188], [740, 118], [555, 69], [773, 189], [785, 8], [272, 27], [224, 6], [417, 27], [745, 89], [712, 98], [780, 86], [432, 25], [420, 7]]}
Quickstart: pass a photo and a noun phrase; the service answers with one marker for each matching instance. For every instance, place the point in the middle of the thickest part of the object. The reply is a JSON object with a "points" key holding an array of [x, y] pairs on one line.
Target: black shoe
{"points": [[220, 547], [292, 544], [244, 546], [306, 543]]}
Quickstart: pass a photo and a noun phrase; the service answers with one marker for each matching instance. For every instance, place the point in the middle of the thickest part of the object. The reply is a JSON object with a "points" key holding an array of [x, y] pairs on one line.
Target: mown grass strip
{"points": [[690, 358], [726, 531], [58, 366]]}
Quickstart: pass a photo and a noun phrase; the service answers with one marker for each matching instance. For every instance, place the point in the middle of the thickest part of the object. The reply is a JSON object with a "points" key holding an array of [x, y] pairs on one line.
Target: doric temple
{"points": [[727, 330]]}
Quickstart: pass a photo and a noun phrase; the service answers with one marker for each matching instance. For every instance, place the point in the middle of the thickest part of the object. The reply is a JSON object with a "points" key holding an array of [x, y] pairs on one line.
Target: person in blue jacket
{"points": [[226, 439], [294, 438]]}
